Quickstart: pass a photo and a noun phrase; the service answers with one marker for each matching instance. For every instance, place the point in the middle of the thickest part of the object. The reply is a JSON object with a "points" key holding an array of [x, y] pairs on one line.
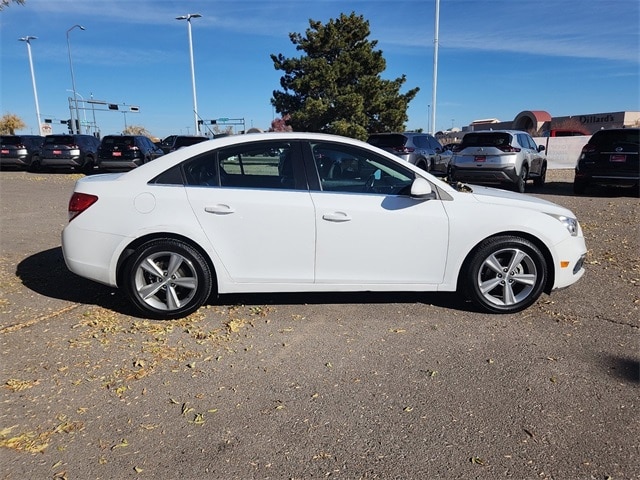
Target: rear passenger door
{"points": [[253, 203], [537, 158]]}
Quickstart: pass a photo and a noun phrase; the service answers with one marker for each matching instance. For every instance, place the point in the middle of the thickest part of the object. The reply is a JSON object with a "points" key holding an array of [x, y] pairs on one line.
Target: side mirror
{"points": [[421, 189], [541, 148]]}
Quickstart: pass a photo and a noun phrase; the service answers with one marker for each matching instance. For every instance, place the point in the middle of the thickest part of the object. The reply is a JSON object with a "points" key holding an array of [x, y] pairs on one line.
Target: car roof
{"points": [[497, 131], [150, 170]]}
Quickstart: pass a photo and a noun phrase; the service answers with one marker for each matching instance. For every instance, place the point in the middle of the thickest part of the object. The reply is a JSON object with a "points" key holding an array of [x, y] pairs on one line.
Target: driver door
{"points": [[369, 229]]}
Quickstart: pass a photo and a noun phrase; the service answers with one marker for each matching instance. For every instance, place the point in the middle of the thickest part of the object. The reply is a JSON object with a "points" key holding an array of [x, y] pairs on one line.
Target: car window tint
{"points": [[495, 139], [349, 169], [258, 165], [387, 141]]}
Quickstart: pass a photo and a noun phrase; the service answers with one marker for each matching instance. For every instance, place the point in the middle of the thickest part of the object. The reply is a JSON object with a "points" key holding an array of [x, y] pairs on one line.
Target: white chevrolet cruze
{"points": [[305, 212]]}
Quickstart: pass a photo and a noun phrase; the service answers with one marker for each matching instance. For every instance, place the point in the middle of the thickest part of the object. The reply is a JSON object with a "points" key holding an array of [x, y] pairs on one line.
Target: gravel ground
{"points": [[309, 386]]}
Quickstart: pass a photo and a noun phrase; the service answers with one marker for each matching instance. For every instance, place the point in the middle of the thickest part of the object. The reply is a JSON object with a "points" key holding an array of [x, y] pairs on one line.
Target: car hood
{"points": [[497, 196]]}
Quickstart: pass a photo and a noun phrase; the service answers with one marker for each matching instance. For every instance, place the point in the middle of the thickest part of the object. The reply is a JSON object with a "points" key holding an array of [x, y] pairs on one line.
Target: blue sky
{"points": [[496, 57]]}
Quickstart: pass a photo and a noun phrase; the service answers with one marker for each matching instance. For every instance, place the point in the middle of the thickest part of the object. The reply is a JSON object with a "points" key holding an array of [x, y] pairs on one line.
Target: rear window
{"points": [[491, 139], [605, 138], [120, 141], [387, 141], [186, 141], [59, 140], [10, 140]]}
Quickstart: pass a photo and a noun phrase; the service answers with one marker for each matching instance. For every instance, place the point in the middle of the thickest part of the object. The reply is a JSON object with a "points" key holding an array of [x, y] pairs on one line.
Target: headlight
{"points": [[571, 224]]}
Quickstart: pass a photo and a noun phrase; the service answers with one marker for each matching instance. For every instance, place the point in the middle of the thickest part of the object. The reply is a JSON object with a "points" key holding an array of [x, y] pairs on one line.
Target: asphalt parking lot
{"points": [[402, 386]]}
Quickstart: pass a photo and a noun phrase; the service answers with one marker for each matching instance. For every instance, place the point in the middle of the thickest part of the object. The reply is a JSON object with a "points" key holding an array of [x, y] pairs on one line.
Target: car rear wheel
{"points": [[579, 186], [34, 166], [167, 278], [522, 179], [424, 164], [88, 166], [506, 274], [539, 181]]}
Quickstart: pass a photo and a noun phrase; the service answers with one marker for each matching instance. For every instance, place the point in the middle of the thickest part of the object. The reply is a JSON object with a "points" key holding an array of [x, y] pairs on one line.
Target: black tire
{"points": [[34, 166], [88, 166], [167, 278], [495, 287], [538, 182], [521, 182], [423, 163], [579, 186]]}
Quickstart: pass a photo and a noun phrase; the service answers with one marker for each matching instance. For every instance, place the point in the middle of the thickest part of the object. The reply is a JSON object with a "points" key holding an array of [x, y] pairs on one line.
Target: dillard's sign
{"points": [[586, 119]]}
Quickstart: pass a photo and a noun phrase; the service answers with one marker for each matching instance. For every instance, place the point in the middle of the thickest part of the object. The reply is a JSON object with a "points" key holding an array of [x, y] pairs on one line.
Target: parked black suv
{"points": [[610, 158], [21, 151], [174, 142], [78, 152], [126, 152], [420, 149]]}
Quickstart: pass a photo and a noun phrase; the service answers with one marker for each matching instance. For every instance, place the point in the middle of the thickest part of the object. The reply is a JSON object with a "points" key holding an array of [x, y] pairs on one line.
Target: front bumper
{"points": [[569, 257]]}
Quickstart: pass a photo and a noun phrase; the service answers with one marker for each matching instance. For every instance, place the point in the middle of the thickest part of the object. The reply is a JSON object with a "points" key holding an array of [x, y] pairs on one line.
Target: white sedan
{"points": [[305, 212]]}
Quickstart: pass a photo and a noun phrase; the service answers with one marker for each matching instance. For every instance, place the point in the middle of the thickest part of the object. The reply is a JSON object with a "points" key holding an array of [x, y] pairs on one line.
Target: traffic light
{"points": [[68, 122]]}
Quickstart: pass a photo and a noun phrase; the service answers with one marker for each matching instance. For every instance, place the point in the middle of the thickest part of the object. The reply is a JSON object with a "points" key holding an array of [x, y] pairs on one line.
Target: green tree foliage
{"points": [[335, 87], [6, 3], [9, 123]]}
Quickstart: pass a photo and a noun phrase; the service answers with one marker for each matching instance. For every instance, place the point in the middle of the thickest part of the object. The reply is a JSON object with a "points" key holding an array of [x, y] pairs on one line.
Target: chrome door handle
{"points": [[220, 209], [336, 217]]}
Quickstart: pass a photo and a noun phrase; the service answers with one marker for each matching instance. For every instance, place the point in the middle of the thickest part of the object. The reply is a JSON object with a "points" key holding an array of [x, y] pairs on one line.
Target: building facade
{"points": [[539, 121]]}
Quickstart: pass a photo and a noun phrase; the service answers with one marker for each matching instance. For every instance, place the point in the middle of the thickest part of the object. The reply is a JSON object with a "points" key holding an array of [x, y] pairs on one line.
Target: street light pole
{"points": [[27, 40], [435, 66], [73, 82], [188, 18]]}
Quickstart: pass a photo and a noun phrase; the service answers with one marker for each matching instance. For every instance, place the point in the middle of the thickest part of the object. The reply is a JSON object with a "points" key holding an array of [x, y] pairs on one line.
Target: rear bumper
{"points": [[22, 161], [119, 165], [61, 162], [83, 259], [481, 173], [595, 177]]}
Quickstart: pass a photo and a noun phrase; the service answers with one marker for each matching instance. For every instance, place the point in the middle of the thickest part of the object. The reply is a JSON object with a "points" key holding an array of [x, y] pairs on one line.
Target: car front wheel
{"points": [[505, 274], [167, 279]]}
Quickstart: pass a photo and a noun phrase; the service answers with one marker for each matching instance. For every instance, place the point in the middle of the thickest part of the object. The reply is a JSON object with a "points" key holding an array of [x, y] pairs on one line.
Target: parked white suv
{"points": [[502, 157]]}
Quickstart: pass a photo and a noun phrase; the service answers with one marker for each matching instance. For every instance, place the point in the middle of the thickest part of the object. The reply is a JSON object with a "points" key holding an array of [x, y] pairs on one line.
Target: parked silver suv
{"points": [[420, 149], [502, 157]]}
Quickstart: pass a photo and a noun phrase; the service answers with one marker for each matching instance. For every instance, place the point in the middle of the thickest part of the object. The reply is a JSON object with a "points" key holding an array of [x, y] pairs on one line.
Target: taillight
{"points": [[589, 148], [508, 149], [132, 147], [403, 149], [79, 202]]}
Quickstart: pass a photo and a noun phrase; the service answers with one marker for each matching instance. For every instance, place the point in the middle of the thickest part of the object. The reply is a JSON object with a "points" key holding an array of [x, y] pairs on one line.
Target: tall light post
{"points": [[435, 65], [73, 82], [27, 40], [188, 18]]}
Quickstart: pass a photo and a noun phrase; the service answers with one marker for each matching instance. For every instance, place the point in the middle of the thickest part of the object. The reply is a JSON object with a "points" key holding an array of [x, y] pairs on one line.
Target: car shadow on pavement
{"points": [[627, 369], [565, 189], [46, 274], [444, 300]]}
